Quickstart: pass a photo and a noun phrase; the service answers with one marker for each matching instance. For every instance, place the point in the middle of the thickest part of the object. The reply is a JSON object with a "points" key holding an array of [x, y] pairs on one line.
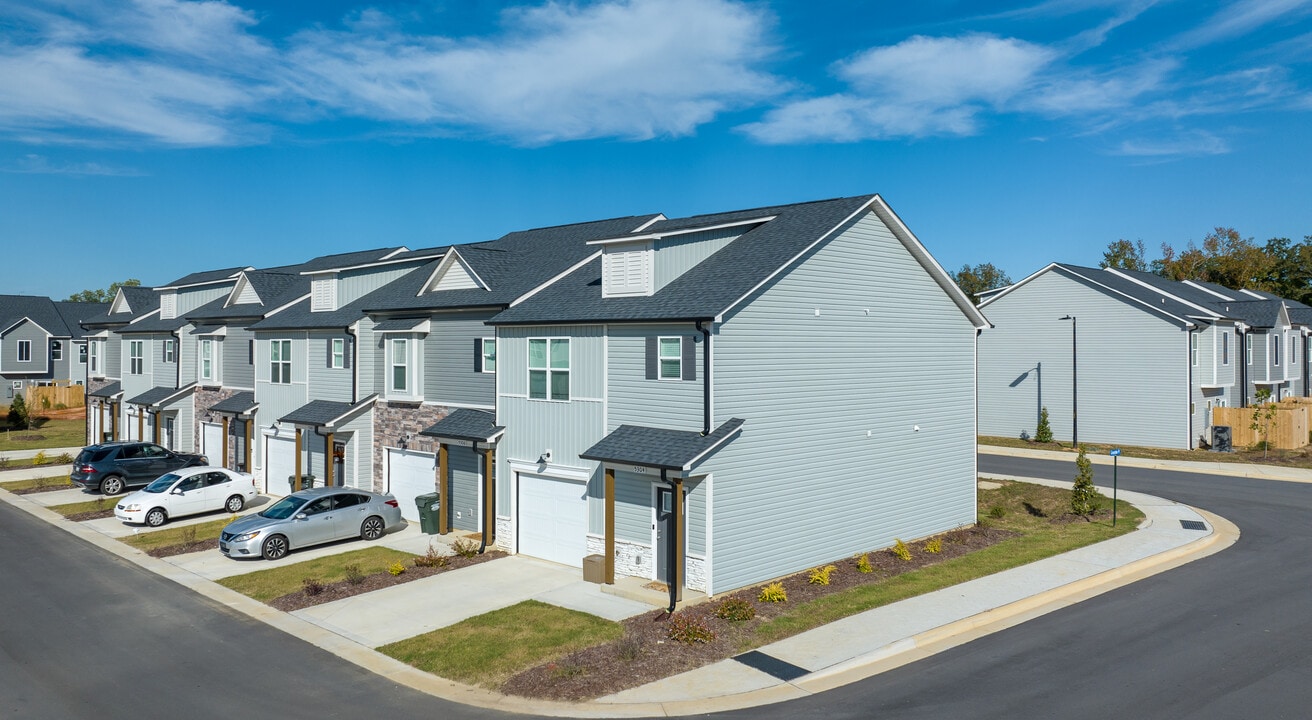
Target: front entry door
{"points": [[664, 511]]}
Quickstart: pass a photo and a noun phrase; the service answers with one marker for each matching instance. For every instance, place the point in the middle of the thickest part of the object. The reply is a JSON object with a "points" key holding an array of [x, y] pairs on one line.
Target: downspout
{"points": [[671, 553], [489, 495], [482, 542], [355, 365], [706, 380], [327, 457], [1243, 369], [1189, 396], [177, 359]]}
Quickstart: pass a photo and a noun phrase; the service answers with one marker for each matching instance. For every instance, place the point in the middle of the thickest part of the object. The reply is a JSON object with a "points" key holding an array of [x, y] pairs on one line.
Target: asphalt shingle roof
{"points": [[659, 447], [206, 276], [57, 318], [242, 402], [1257, 313], [1148, 296], [704, 291], [141, 301], [110, 390], [153, 324], [157, 395], [324, 412], [466, 424], [274, 289]]}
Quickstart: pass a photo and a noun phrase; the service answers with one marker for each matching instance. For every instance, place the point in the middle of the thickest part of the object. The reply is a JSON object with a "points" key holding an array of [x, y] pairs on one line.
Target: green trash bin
{"points": [[428, 512]]}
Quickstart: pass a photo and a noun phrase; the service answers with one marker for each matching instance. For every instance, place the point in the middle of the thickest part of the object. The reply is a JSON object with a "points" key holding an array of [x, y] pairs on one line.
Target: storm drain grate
{"points": [[772, 666], [1192, 525]]}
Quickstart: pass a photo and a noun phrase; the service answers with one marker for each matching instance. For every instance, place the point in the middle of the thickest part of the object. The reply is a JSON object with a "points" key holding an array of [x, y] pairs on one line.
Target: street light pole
{"points": [[1075, 396]]}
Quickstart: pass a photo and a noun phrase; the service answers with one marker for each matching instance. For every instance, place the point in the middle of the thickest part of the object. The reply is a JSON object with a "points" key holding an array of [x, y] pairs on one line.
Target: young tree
{"points": [[1125, 255], [1264, 418], [1043, 433], [18, 411], [102, 295], [978, 279], [1084, 496]]}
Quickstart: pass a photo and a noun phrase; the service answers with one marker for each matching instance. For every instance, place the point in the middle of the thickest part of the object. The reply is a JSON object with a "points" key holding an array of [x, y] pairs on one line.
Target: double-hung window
{"points": [[170, 350], [135, 357], [670, 358], [56, 350], [94, 348], [1248, 349], [82, 354], [280, 362], [206, 355], [338, 359], [1193, 349], [1225, 348], [1275, 350], [548, 368], [399, 377], [488, 352], [24, 351]]}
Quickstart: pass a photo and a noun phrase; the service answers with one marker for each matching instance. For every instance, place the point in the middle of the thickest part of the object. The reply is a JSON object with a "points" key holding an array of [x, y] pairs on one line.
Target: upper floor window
{"points": [[1225, 348], [548, 368], [206, 358], [136, 357], [1293, 352], [170, 350], [485, 355], [280, 361], [1248, 348], [93, 348], [337, 353], [400, 376], [56, 350], [82, 353], [1275, 350], [671, 358], [1193, 349], [24, 351]]}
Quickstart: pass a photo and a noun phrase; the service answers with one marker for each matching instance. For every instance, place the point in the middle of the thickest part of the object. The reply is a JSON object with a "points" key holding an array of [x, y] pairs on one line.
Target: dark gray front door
{"points": [[664, 511]]}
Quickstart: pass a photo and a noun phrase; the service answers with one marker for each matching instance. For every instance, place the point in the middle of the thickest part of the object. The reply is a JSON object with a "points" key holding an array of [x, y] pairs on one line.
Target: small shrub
{"points": [[735, 610], [64, 459], [901, 550], [354, 575], [189, 535], [40, 458], [311, 587], [465, 548], [997, 511], [774, 592], [820, 576], [1043, 433], [628, 648], [689, 630], [934, 546], [431, 559], [863, 563], [396, 568], [1084, 496]]}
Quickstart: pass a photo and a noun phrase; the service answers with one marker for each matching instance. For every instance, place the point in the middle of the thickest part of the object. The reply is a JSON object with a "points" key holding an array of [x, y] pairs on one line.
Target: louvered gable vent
{"points": [[626, 270], [168, 306], [323, 294]]}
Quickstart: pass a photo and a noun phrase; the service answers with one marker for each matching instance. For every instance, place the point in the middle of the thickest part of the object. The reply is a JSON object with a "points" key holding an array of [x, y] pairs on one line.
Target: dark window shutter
{"points": [[164, 351], [689, 357], [250, 352], [653, 359], [478, 355], [348, 348], [330, 352]]}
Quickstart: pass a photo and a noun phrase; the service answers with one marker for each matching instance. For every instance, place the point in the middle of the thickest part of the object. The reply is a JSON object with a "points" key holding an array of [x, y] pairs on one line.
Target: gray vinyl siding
{"points": [[567, 428], [676, 255], [463, 465], [277, 400], [635, 400], [449, 376], [326, 383], [828, 451], [1133, 366], [695, 512], [39, 363], [633, 510], [64, 367], [113, 361], [238, 371], [367, 359], [187, 354]]}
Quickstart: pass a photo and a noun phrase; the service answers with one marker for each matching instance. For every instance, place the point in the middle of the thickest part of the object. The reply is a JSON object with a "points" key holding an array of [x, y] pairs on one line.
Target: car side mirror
{"points": [[175, 491], [301, 516]]}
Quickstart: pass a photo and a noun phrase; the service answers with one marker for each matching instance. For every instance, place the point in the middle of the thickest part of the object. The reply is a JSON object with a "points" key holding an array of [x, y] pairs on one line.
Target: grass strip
{"points": [[100, 503], [53, 482], [265, 585], [488, 649], [1283, 458], [150, 539], [50, 433]]}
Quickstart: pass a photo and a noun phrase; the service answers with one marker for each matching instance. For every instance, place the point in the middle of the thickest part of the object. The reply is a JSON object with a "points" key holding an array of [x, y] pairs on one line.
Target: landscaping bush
{"points": [[354, 575], [396, 568], [774, 592], [431, 559], [311, 587], [465, 548], [863, 563], [934, 545], [688, 629], [64, 459], [1043, 433], [820, 576], [901, 550], [735, 610], [40, 458], [997, 511], [1084, 496]]}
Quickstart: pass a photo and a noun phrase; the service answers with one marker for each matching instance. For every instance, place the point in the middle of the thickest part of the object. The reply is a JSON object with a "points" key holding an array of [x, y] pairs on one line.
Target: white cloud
{"points": [[1194, 142], [1242, 17], [33, 164]]}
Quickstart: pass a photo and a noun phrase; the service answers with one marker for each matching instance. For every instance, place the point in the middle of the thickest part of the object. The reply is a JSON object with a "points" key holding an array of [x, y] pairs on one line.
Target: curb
{"points": [[1244, 470], [894, 655]]}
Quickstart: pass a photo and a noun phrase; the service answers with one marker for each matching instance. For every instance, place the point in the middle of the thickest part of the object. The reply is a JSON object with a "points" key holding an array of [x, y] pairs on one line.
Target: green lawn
{"points": [[53, 481], [152, 539], [44, 434], [265, 585], [488, 649], [100, 503]]}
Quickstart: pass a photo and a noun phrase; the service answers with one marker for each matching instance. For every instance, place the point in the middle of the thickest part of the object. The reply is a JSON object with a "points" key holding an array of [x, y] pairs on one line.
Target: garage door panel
{"points": [[280, 464], [410, 474], [553, 519]]}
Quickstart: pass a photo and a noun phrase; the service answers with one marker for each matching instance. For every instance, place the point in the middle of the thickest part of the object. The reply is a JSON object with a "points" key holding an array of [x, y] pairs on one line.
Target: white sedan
{"points": [[186, 492]]}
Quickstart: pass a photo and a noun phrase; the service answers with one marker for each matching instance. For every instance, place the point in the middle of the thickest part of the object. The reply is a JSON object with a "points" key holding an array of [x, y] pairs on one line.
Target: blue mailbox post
{"points": [[1116, 454]]}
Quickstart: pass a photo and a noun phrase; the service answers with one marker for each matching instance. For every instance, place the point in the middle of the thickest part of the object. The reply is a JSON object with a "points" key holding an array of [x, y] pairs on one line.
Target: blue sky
{"points": [[155, 138]]}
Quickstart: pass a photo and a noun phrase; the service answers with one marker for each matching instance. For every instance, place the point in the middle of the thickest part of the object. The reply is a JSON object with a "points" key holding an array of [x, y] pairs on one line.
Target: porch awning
{"points": [[466, 424], [111, 390], [243, 403], [659, 447], [218, 330], [326, 413], [403, 325], [159, 396]]}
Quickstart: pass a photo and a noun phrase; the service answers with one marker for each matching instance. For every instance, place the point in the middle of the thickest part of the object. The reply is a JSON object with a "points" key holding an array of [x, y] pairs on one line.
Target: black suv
{"points": [[111, 467]]}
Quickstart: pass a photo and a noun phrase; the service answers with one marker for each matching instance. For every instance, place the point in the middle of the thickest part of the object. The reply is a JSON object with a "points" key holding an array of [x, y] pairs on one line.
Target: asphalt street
{"points": [[86, 635]]}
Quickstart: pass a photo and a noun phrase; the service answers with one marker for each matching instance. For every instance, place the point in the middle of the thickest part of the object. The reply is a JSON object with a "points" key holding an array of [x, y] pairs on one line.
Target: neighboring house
{"points": [[1149, 357], [719, 400], [41, 342], [106, 411]]}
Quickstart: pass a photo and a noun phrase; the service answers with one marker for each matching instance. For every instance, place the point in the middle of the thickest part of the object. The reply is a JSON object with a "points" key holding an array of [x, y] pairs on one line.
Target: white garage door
{"points": [[553, 519], [280, 463], [409, 475], [211, 438]]}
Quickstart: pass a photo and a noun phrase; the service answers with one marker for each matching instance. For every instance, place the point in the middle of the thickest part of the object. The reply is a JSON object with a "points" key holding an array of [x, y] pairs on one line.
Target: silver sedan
{"points": [[311, 517]]}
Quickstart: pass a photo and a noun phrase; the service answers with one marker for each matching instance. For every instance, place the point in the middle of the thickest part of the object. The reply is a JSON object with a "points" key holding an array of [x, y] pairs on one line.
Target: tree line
{"points": [[1280, 266]]}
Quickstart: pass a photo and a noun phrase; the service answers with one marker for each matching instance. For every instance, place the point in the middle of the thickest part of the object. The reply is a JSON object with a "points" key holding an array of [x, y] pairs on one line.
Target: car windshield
{"points": [[162, 483], [284, 508]]}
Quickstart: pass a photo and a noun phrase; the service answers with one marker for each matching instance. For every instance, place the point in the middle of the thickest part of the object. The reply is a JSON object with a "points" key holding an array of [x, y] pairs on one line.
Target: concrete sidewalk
{"points": [[831, 656], [50, 452], [1232, 469]]}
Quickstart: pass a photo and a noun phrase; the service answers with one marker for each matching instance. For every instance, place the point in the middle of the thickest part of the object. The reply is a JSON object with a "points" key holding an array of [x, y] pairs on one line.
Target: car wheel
{"points": [[111, 485], [234, 504], [274, 548], [371, 528], [156, 517]]}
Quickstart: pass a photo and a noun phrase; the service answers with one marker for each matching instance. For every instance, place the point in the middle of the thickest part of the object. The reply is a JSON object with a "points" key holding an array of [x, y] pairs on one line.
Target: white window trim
{"points": [[645, 252], [549, 370], [56, 350], [170, 350], [1248, 348], [24, 347], [1273, 348], [285, 360], [414, 374], [93, 355], [661, 358], [136, 357], [338, 353], [205, 344], [484, 364], [1193, 349]]}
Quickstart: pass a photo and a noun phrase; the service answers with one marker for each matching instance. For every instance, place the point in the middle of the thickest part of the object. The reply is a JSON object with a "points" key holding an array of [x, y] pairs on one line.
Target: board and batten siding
{"points": [[238, 370], [1133, 366], [449, 370], [678, 254], [464, 466], [635, 400], [277, 400], [192, 298], [533, 426], [186, 354], [327, 383], [113, 360], [355, 284], [834, 366]]}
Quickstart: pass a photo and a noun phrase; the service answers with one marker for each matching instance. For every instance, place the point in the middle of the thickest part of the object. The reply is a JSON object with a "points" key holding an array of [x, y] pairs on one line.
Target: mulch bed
{"points": [[91, 515], [377, 581], [47, 488], [646, 653], [184, 548]]}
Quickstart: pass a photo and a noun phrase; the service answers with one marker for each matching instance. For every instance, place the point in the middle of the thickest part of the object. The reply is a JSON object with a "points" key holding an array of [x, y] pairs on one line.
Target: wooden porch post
{"points": [[609, 490], [444, 499], [489, 513], [328, 460], [156, 425], [141, 423], [676, 526], [247, 466], [225, 441], [100, 426], [297, 484], [113, 428]]}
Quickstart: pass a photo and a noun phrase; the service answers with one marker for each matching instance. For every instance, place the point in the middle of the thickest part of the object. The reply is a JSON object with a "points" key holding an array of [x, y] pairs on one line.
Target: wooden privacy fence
{"points": [[1289, 428], [50, 397]]}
